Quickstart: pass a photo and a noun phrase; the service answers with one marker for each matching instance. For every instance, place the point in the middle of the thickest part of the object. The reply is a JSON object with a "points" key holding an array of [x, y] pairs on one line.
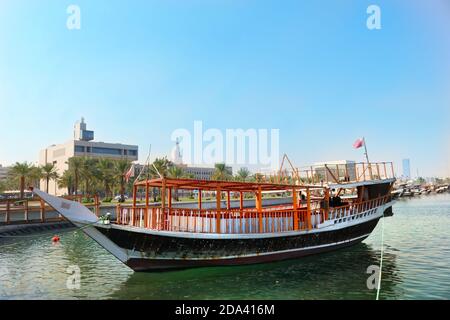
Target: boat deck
{"points": [[313, 203]]}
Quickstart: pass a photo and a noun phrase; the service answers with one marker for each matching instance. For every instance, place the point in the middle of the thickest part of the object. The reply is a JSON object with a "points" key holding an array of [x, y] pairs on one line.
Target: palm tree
{"points": [[88, 173], [22, 172], [258, 177], [49, 172], [161, 166], [67, 181], [106, 175], [75, 165], [120, 169], [176, 172], [35, 177], [221, 172], [243, 174]]}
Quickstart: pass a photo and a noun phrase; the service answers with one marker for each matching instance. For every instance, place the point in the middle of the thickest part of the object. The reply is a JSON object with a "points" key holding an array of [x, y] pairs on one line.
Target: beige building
{"points": [[82, 145], [202, 173], [4, 172], [344, 169]]}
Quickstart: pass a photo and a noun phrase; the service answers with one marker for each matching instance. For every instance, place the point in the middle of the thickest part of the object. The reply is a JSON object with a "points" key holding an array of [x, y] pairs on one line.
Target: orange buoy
{"points": [[56, 239]]}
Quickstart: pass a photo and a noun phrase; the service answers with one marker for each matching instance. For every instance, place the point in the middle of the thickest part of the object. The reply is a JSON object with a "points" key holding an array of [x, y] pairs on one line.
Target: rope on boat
{"points": [[381, 259]]}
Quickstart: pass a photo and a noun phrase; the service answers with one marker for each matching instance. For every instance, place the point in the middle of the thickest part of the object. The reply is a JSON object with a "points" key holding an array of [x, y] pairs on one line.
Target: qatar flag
{"points": [[358, 143], [130, 173]]}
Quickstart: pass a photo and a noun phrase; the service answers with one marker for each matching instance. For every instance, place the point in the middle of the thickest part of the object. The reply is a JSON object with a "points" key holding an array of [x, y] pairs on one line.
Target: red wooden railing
{"points": [[237, 221]]}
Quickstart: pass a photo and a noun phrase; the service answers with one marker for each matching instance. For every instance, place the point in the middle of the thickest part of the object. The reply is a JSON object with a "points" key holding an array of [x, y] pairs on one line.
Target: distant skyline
{"points": [[406, 164], [137, 71]]}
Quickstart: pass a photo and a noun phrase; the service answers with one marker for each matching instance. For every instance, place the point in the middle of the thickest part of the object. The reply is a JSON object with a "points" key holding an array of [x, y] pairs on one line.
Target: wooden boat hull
{"points": [[143, 264], [149, 252]]}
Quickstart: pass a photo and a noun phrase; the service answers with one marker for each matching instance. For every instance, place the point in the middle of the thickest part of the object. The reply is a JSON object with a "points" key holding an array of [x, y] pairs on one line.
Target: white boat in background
{"points": [[442, 189], [398, 193]]}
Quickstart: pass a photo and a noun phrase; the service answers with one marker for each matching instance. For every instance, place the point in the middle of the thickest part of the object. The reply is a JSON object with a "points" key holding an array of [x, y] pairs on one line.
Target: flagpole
{"points": [[365, 148], [367, 158], [148, 163]]}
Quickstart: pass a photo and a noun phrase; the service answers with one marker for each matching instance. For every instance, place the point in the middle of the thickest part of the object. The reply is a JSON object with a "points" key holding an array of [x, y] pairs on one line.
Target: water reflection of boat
{"points": [[334, 275], [317, 220]]}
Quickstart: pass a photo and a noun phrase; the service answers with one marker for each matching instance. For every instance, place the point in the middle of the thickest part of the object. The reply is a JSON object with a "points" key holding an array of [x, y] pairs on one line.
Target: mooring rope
{"points": [[381, 259]]}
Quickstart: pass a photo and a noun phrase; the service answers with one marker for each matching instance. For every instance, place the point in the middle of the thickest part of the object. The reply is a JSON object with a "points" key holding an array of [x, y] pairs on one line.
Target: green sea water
{"points": [[416, 266]]}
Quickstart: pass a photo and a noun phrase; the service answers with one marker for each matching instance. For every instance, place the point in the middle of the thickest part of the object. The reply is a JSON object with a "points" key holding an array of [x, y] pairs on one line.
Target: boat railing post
{"points": [[308, 211], [259, 209], [227, 214], [199, 215], [241, 210], [327, 203], [42, 210], [200, 199], [97, 205], [8, 209], [392, 170], [370, 170], [26, 210], [118, 214], [133, 210], [218, 207], [295, 207], [170, 212], [154, 218], [165, 222], [147, 204]]}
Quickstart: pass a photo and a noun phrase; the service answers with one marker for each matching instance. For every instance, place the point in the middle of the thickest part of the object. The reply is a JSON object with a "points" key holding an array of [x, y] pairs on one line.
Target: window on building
{"points": [[79, 149], [109, 151]]}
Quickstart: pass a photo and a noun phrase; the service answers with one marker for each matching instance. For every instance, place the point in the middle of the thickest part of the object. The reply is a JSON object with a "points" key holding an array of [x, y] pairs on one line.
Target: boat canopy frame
{"points": [[214, 185], [308, 200]]}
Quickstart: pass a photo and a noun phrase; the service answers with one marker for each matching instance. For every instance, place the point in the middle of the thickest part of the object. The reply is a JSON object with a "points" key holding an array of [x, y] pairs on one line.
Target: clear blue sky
{"points": [[137, 70]]}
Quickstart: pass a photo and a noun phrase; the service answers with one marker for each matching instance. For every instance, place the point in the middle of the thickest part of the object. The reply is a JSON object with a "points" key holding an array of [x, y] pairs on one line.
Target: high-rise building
{"points": [[82, 146], [406, 169], [81, 133]]}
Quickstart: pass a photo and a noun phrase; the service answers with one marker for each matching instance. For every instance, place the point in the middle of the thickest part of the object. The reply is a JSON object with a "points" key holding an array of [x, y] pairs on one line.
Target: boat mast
{"points": [[367, 158]]}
